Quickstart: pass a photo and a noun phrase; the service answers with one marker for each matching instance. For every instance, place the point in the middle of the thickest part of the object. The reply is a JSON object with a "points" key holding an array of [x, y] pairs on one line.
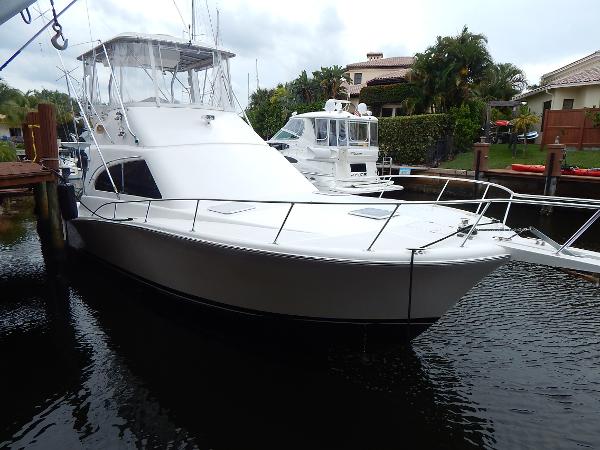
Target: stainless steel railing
{"points": [[482, 203]]}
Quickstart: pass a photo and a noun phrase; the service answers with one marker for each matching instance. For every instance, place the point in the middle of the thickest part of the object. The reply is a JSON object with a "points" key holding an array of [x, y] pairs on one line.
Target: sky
{"points": [[286, 37]]}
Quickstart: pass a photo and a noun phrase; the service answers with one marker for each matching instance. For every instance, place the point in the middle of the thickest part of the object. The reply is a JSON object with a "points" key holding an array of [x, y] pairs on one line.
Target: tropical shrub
{"points": [[7, 152], [466, 121], [407, 139]]}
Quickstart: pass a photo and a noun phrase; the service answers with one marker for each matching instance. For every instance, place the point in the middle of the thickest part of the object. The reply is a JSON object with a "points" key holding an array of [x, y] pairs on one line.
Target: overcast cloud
{"points": [[289, 36]]}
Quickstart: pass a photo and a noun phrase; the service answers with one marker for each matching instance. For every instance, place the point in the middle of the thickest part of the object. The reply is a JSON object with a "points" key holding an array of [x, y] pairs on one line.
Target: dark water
{"points": [[95, 360]]}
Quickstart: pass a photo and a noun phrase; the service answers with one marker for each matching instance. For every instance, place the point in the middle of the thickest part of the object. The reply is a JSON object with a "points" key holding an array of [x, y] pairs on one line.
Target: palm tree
{"points": [[17, 108], [305, 89], [330, 79], [503, 81], [450, 69], [524, 121]]}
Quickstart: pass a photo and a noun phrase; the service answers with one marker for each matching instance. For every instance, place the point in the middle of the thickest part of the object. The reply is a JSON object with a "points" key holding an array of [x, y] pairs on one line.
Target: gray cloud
{"points": [[286, 37]]}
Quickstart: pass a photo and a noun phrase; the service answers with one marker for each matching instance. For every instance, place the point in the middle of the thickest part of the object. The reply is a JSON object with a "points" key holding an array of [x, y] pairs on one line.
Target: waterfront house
{"points": [[377, 70], [574, 86]]}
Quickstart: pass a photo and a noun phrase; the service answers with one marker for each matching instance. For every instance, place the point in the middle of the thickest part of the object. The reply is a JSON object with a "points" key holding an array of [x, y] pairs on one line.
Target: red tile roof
{"points": [[591, 75], [395, 61], [400, 73]]}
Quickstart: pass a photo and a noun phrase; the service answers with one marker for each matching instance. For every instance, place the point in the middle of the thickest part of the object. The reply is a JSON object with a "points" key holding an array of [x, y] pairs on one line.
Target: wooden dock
{"points": [[38, 176], [23, 174]]}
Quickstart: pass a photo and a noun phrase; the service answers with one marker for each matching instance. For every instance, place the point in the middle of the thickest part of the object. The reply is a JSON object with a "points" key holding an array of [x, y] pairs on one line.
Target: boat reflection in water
{"points": [[104, 362], [115, 366]]}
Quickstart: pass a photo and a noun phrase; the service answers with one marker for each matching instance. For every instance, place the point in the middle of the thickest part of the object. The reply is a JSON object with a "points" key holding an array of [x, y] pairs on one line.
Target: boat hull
{"points": [[259, 282]]}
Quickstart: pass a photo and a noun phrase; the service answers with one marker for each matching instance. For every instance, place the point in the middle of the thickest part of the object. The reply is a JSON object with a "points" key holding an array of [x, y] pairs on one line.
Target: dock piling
{"points": [[554, 157]]}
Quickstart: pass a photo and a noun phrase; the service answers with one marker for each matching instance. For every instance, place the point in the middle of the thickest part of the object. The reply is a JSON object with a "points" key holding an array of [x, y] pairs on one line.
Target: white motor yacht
{"points": [[182, 193], [335, 149]]}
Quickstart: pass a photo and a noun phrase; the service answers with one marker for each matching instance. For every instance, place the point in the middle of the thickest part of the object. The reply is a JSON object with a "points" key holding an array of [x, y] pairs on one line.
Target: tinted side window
{"points": [[103, 181], [374, 137], [321, 126], [333, 133], [131, 178], [139, 180]]}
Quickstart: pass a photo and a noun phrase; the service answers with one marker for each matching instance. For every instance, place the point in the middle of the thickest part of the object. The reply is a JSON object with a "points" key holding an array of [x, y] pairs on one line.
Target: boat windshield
{"points": [[291, 130]]}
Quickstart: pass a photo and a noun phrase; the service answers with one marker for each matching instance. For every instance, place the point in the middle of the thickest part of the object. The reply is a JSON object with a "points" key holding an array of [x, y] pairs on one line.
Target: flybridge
{"points": [[152, 68]]}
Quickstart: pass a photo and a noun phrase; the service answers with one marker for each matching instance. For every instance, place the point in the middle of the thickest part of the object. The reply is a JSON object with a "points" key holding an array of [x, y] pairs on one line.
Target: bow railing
{"points": [[483, 204]]}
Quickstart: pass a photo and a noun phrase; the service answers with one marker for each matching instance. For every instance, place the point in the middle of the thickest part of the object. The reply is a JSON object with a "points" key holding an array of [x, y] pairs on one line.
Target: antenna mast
{"points": [[193, 20], [257, 85]]}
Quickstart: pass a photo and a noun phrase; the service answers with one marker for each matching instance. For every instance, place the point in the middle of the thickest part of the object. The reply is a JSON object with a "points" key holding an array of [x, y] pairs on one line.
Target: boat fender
{"points": [[67, 201]]}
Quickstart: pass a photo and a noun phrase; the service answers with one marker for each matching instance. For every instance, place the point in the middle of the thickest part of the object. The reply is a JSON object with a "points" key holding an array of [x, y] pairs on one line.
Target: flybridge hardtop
{"points": [[181, 192], [180, 54], [335, 149]]}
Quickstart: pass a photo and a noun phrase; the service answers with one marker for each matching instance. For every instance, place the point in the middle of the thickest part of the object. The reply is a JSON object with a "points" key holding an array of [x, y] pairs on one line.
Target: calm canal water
{"points": [[91, 359]]}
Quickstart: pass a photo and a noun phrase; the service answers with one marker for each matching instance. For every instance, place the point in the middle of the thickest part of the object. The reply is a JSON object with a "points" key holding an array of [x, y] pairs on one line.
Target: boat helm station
{"points": [[337, 150]]}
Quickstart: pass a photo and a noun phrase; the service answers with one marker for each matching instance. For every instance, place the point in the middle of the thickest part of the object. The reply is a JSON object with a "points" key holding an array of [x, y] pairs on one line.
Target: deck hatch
{"points": [[372, 213], [231, 207]]}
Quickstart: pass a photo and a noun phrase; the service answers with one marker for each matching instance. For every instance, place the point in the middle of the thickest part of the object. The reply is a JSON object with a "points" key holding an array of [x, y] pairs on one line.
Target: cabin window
{"points": [[103, 181], [342, 135], [321, 129], [131, 178], [374, 137], [293, 129], [333, 133], [357, 78], [358, 133]]}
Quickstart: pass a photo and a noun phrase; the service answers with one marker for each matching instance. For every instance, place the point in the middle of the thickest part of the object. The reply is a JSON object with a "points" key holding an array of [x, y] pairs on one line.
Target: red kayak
{"points": [[570, 171]]}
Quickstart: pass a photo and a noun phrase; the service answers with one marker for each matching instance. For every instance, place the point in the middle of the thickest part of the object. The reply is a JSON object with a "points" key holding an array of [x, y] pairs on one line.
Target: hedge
{"points": [[408, 138], [389, 93]]}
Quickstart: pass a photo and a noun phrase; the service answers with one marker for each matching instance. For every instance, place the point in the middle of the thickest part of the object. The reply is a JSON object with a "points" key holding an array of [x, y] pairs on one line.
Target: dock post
{"points": [[481, 151], [48, 156], [554, 157], [32, 142]]}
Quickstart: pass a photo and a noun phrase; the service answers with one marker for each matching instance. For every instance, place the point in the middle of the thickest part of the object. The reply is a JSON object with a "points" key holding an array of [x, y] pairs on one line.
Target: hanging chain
{"points": [[57, 27]]}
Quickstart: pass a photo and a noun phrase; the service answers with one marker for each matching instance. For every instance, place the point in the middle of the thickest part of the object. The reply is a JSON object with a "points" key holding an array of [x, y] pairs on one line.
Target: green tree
{"points": [[524, 121], [330, 79], [65, 105], [467, 124], [16, 108], [449, 71], [305, 89], [502, 82]]}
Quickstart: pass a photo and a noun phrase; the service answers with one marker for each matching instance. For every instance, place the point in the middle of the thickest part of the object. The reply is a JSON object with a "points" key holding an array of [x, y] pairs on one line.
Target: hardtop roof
{"points": [[193, 55]]}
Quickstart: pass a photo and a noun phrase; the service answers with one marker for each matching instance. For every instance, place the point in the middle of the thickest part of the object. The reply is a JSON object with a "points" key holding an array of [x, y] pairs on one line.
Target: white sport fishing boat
{"points": [[182, 193], [335, 149]]}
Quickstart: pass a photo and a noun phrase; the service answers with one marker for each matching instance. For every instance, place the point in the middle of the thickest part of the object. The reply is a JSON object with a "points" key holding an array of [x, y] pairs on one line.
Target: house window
{"points": [[387, 112], [131, 178], [568, 103], [357, 78]]}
